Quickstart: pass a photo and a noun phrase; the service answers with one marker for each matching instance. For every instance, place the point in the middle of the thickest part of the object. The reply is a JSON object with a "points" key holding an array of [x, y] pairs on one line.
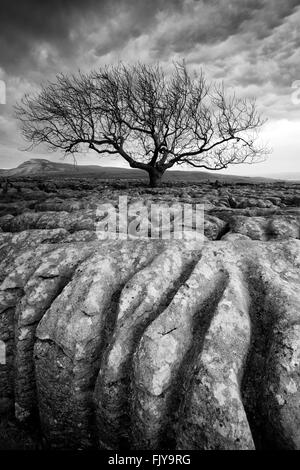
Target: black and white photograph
{"points": [[149, 228]]}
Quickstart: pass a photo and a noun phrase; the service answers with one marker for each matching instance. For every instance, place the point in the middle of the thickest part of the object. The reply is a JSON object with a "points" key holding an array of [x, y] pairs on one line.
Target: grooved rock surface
{"points": [[149, 344], [152, 344]]}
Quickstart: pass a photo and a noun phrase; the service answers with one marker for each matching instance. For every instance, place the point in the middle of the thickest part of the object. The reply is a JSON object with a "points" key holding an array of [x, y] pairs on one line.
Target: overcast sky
{"points": [[252, 45]]}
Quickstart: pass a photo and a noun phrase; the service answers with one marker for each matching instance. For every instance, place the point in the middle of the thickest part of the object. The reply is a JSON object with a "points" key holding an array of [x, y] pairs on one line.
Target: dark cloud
{"points": [[28, 23], [209, 22], [253, 45], [57, 23], [64, 27]]}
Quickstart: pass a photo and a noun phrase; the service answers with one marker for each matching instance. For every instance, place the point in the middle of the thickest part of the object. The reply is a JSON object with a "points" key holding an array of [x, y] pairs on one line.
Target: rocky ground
{"points": [[149, 344]]}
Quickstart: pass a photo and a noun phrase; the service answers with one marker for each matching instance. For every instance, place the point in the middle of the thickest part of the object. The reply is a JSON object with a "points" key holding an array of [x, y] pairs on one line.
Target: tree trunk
{"points": [[155, 177]]}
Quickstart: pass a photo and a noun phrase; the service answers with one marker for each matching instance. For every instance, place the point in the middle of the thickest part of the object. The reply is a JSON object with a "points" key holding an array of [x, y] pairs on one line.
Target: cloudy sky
{"points": [[252, 45]]}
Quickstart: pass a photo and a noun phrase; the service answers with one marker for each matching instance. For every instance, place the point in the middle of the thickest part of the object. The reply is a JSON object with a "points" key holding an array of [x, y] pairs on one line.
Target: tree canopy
{"points": [[152, 119]]}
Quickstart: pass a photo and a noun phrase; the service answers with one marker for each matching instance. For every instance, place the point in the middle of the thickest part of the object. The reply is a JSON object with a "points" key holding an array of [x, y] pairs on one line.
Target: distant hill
{"points": [[288, 176], [43, 167], [36, 166]]}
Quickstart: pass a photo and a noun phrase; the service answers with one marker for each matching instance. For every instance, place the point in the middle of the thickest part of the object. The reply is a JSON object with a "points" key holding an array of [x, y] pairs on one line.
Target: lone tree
{"points": [[152, 119]]}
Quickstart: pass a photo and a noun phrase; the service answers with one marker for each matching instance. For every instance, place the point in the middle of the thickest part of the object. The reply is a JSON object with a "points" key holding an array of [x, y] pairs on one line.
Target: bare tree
{"points": [[151, 119]]}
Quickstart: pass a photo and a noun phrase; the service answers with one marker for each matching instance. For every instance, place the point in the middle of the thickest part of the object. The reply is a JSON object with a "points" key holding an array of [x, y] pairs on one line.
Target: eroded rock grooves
{"points": [[152, 344]]}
